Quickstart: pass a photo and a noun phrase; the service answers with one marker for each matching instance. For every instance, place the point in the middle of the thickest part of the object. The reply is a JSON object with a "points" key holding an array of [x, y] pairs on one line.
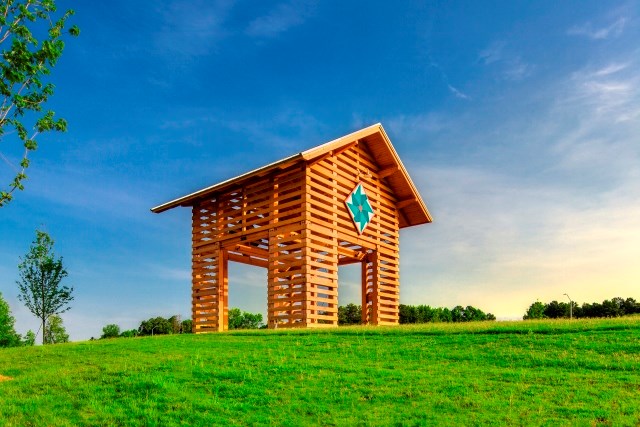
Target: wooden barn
{"points": [[340, 203]]}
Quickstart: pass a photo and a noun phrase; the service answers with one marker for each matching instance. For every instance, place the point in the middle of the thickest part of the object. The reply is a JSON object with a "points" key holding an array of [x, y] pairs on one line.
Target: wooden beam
{"points": [[331, 153], [400, 204], [243, 259], [250, 251], [347, 260], [383, 173]]}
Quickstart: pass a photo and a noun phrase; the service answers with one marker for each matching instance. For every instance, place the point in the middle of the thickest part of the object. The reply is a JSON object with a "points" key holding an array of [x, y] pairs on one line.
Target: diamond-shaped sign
{"points": [[359, 207]]}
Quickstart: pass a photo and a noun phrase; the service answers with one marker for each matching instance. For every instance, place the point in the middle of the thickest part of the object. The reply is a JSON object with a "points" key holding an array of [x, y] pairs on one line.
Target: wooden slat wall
{"points": [[260, 224], [329, 182], [209, 273]]}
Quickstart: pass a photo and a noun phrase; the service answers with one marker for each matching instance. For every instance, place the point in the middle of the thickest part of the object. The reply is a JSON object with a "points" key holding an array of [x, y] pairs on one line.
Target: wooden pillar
{"points": [[223, 290], [363, 288], [375, 299]]}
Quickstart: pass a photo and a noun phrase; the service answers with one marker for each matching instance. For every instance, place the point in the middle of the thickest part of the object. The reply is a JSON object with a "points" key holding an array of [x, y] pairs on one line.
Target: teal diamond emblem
{"points": [[359, 207]]}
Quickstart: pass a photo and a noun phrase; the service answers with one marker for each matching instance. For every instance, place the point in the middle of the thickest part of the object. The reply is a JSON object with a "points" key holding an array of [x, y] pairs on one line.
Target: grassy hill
{"points": [[584, 372]]}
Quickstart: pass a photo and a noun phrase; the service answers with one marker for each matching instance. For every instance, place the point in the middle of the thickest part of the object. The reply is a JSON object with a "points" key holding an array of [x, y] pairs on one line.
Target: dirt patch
{"points": [[3, 378]]}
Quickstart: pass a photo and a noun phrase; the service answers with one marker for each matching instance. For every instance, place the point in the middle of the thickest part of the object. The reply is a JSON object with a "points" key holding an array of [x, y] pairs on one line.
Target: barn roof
{"points": [[409, 201]]}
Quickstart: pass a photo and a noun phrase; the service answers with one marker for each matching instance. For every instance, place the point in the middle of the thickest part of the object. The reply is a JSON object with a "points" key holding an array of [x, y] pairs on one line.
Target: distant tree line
{"points": [[174, 325], [614, 307], [153, 326], [351, 314]]}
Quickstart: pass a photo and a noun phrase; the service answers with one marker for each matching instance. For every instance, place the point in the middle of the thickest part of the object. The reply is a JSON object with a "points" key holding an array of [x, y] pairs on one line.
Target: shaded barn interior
{"points": [[340, 203]]}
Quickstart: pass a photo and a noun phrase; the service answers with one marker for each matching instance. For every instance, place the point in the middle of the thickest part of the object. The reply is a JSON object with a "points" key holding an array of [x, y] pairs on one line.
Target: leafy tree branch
{"points": [[25, 62]]}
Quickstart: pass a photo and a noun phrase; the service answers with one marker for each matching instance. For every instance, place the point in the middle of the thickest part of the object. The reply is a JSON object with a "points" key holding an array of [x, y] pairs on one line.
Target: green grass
{"points": [[584, 372]]}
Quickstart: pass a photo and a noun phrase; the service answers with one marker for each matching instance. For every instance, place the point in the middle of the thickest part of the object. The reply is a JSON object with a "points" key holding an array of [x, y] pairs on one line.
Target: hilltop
{"points": [[537, 372]]}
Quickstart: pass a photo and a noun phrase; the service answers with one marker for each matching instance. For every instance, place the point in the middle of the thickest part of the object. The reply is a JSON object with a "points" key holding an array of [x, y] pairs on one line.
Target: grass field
{"points": [[583, 372]]}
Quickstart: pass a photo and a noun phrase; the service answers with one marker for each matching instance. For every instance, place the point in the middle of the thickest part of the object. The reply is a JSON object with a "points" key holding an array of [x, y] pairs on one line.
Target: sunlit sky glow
{"points": [[519, 123]]}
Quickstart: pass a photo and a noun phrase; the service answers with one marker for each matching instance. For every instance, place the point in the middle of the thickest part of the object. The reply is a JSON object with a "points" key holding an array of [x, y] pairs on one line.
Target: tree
{"points": [[110, 331], [40, 275], [187, 326], [630, 306], [155, 326], [457, 314], [350, 314], [25, 62], [535, 311], [55, 332], [556, 310], [29, 339], [407, 314], [8, 335], [176, 324], [424, 314], [130, 333], [243, 320]]}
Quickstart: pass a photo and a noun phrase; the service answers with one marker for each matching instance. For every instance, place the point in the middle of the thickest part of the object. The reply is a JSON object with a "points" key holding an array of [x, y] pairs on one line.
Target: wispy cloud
{"points": [[283, 129], [511, 65], [610, 69], [517, 69], [193, 29], [611, 91], [457, 92], [492, 53], [445, 79], [418, 127], [598, 33], [280, 19]]}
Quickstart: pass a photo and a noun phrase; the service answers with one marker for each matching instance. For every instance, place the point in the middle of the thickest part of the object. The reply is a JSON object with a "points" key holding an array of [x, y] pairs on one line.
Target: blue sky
{"points": [[518, 121]]}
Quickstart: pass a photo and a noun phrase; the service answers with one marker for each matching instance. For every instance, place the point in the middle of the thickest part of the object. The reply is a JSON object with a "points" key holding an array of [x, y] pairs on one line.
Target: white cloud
{"points": [[598, 33], [280, 19]]}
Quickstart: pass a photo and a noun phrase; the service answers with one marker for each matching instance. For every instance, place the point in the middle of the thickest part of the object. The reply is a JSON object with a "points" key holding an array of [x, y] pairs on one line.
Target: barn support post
{"points": [[223, 290]]}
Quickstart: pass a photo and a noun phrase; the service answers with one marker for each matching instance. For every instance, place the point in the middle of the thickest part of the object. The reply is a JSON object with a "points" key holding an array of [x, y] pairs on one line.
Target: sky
{"points": [[518, 121]]}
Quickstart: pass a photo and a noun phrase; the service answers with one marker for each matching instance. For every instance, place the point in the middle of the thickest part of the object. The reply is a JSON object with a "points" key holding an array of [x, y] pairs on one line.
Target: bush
{"points": [[187, 326], [110, 331], [351, 314], [243, 320]]}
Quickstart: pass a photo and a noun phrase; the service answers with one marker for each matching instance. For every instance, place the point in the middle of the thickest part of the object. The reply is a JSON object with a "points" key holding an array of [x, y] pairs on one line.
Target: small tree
{"points": [[176, 324], [155, 326], [243, 320], [55, 332], [129, 333], [40, 276], [8, 335], [24, 65], [29, 339], [351, 314], [457, 314], [110, 331], [535, 311], [187, 326]]}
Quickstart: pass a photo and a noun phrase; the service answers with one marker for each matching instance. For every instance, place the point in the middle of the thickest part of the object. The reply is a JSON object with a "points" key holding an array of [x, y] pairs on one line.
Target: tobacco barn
{"points": [[301, 217]]}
